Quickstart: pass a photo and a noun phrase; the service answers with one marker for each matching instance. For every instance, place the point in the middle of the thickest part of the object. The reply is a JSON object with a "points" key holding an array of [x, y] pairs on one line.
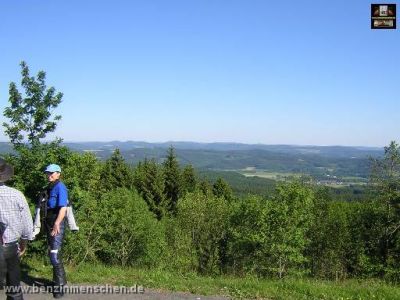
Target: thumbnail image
{"points": [[383, 16]]}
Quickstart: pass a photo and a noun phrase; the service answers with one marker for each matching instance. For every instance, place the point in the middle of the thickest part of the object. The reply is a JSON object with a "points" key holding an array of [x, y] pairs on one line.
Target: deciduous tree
{"points": [[31, 114]]}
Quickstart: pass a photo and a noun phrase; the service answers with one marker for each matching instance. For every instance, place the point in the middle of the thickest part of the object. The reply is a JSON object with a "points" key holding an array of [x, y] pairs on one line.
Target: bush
{"points": [[194, 236], [127, 232], [269, 237]]}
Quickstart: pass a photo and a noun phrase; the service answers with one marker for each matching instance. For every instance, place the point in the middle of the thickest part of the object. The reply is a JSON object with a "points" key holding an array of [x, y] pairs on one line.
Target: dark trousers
{"points": [[55, 245], [10, 270]]}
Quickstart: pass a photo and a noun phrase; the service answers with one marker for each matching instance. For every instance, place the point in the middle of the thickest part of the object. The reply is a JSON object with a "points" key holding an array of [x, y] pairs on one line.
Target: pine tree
{"points": [[149, 181], [116, 173], [222, 189], [205, 187], [154, 181], [189, 180], [172, 180]]}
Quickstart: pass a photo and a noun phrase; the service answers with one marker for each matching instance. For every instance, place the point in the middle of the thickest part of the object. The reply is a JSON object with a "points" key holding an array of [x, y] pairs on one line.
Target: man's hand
{"points": [[22, 247], [56, 229], [60, 218]]}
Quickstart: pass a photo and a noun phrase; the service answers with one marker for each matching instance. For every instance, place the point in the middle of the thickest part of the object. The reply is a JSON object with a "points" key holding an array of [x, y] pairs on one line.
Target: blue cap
{"points": [[53, 168]]}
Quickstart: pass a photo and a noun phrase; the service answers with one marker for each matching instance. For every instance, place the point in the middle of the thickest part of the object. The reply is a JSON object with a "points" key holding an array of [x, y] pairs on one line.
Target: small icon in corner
{"points": [[383, 16]]}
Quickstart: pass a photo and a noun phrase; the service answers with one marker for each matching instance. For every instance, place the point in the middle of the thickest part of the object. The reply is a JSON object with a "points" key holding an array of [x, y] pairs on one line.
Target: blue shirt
{"points": [[58, 196]]}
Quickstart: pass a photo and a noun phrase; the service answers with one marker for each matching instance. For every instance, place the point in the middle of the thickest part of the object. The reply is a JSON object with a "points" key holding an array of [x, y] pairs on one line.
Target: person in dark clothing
{"points": [[56, 209], [16, 228]]}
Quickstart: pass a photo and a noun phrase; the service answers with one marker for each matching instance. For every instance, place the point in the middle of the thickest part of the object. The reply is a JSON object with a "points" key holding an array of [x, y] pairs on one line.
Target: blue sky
{"points": [[256, 71]]}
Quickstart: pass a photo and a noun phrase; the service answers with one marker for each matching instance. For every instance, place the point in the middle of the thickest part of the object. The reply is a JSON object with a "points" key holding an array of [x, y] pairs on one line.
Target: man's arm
{"points": [[60, 217], [22, 246], [27, 225], [26, 219]]}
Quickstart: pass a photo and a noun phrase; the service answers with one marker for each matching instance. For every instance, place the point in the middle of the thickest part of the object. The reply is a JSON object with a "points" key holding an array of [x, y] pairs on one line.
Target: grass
{"points": [[282, 176], [268, 175], [232, 287]]}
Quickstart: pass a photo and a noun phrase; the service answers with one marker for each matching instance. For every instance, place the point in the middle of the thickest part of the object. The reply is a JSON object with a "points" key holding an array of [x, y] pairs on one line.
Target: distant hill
{"points": [[335, 151], [5, 147], [313, 160]]}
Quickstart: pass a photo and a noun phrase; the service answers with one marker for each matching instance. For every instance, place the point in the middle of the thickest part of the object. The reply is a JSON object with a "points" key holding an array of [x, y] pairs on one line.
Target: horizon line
{"points": [[214, 142]]}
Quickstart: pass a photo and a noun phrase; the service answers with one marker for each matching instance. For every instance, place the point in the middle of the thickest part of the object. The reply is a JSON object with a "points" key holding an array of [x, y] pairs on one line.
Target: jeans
{"points": [[55, 244], [10, 270]]}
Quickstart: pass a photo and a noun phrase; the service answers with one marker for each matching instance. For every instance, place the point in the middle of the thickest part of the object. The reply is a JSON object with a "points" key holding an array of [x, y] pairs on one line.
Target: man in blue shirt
{"points": [[55, 225]]}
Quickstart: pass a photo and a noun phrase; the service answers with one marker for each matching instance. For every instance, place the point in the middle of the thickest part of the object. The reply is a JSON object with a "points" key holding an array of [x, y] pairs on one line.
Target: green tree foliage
{"points": [[149, 182], [359, 251], [329, 238], [222, 189], [273, 232], [245, 244], [83, 245], [205, 187], [240, 184], [127, 233], [172, 177], [31, 114], [30, 163], [116, 173], [289, 221], [81, 174], [385, 182], [189, 180], [201, 223], [30, 119]]}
